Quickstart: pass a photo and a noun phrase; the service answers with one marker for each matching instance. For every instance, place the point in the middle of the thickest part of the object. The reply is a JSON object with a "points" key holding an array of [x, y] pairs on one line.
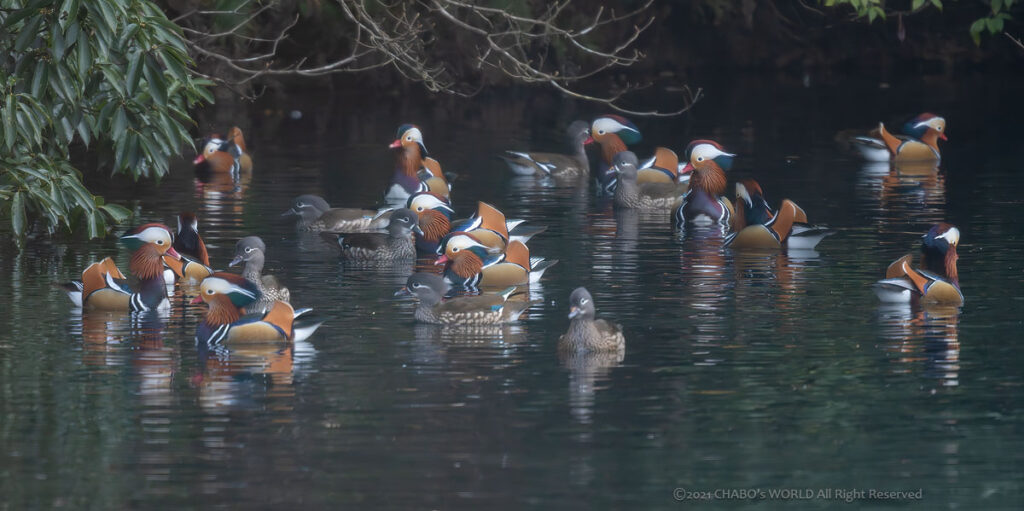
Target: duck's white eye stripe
{"points": [[583, 301]]}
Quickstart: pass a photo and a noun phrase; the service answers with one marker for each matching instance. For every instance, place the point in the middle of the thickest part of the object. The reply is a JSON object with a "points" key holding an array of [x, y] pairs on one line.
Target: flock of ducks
{"points": [[488, 251]]}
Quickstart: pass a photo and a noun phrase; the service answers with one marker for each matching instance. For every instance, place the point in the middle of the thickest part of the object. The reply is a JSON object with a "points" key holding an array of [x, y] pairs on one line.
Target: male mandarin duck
{"points": [[227, 296], [613, 133], [935, 282], [103, 286], [487, 309], [650, 195], [487, 226], [471, 263], [252, 251], [414, 171], [586, 333], [194, 264], [223, 155], [396, 245], [703, 203], [756, 226], [435, 219], [558, 165], [314, 214], [921, 143]]}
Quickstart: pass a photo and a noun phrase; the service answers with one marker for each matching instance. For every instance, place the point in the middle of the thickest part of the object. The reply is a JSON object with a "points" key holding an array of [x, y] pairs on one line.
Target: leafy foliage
{"points": [[112, 75], [992, 24]]}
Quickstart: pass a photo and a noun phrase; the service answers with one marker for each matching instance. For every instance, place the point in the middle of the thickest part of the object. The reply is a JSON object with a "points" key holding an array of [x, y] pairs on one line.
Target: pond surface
{"points": [[742, 371]]}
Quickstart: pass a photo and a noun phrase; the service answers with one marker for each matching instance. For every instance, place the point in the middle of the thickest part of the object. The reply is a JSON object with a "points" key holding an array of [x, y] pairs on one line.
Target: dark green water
{"points": [[741, 372]]}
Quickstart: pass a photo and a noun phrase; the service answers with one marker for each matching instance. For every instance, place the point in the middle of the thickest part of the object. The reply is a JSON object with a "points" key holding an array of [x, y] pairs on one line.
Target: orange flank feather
{"points": [[784, 218], [433, 166], [281, 315], [94, 277], [519, 254], [891, 141], [492, 219], [665, 158], [235, 135]]}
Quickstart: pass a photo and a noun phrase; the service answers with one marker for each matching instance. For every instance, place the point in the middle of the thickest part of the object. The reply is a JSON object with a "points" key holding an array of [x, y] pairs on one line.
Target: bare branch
{"points": [[551, 47]]}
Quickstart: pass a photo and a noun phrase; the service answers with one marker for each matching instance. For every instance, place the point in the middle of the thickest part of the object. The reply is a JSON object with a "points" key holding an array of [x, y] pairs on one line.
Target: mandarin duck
{"points": [[936, 280], [756, 226], [572, 165], [252, 251], [586, 333], [224, 154], [650, 195], [613, 133], [394, 246], [471, 263], [414, 170], [703, 203], [194, 264], [227, 295], [434, 214], [920, 144], [486, 309], [314, 214], [490, 218], [103, 286]]}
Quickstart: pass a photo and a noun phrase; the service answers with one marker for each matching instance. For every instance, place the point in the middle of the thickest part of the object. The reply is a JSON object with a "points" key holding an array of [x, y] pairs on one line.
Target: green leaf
{"points": [[916, 4], [39, 78], [118, 214], [134, 72], [997, 5], [9, 127], [57, 43], [120, 123], [28, 33], [95, 223], [84, 54], [18, 221], [937, 4], [19, 14], [976, 29], [154, 76]]}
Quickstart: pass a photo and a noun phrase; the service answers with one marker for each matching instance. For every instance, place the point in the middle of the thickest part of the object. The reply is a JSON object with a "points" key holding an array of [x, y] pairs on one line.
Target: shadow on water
{"points": [[742, 369]]}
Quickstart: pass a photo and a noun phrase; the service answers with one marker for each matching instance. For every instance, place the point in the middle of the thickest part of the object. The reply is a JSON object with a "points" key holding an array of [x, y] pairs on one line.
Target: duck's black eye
{"points": [[456, 249], [409, 138], [600, 132], [209, 291], [248, 249], [700, 158], [583, 301]]}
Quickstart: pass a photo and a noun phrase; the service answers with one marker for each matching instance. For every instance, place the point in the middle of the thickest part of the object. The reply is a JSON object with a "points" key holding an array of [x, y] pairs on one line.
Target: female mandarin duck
{"points": [[586, 333], [221, 155], [194, 264], [650, 195], [314, 214], [414, 171], [921, 144], [756, 226], [487, 309], [556, 165], [103, 286], [434, 214], [935, 282], [394, 246], [252, 251], [227, 294], [613, 133], [703, 203], [471, 263]]}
